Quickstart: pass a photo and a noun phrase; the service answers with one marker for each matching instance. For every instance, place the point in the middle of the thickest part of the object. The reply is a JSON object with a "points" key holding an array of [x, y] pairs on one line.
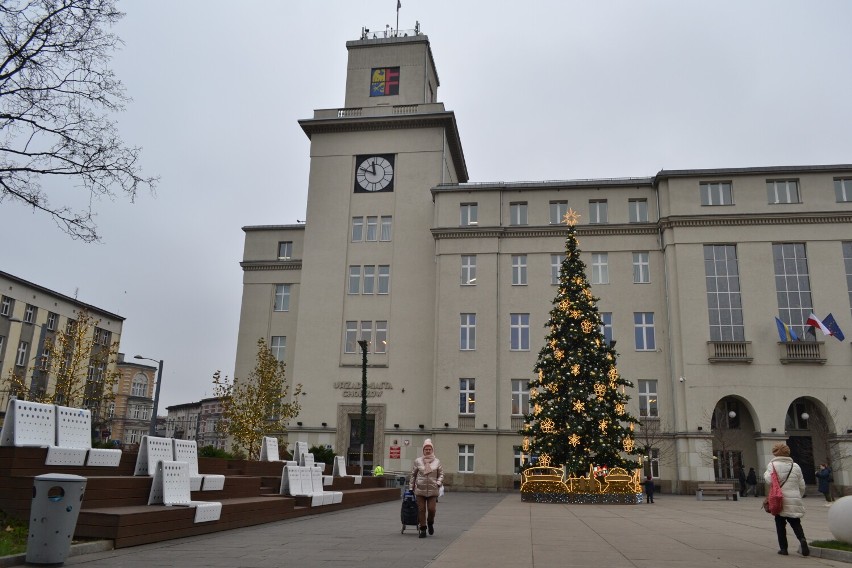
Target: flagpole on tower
{"points": [[398, 6]]}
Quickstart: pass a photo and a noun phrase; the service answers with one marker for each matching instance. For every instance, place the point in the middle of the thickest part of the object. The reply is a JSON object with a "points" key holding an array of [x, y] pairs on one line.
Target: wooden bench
{"points": [[726, 489]]}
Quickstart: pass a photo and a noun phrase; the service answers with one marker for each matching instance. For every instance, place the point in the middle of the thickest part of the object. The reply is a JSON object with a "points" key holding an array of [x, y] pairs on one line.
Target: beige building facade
{"points": [[130, 413], [451, 282], [30, 317]]}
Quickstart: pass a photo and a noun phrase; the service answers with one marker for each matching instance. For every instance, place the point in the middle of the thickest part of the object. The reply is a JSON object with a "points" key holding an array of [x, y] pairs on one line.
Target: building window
{"points": [[52, 318], [643, 331], [30, 313], [367, 332], [285, 250], [716, 193], [652, 464], [111, 410], [468, 270], [519, 270], [282, 298], [384, 279], [369, 279], [597, 211], [847, 260], [354, 280], [724, 304], [648, 399], [637, 210], [520, 397], [2, 346], [600, 268], [6, 306], [518, 213], [641, 268], [606, 326], [387, 222], [843, 189], [516, 450], [357, 229], [783, 191], [372, 228], [278, 345], [140, 385], [350, 340], [555, 264], [21, 358], [519, 332], [381, 337], [134, 412], [469, 214], [467, 341], [467, 396], [558, 209], [792, 284], [101, 336], [465, 458]]}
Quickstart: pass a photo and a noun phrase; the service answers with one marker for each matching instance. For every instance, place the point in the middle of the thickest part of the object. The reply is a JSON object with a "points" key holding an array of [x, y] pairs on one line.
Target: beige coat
{"points": [[423, 483], [793, 489]]}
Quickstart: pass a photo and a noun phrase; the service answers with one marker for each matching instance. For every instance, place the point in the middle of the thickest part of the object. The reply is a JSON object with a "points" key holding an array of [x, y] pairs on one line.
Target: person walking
{"points": [[751, 482], [793, 487], [427, 477], [742, 478], [823, 479], [649, 488]]}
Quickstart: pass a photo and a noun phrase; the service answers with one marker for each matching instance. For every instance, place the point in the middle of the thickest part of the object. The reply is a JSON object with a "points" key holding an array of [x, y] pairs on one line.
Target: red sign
{"points": [[394, 453]]}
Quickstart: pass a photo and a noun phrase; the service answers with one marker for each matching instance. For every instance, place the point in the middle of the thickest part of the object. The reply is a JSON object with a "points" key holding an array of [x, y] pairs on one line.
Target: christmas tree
{"points": [[579, 412]]}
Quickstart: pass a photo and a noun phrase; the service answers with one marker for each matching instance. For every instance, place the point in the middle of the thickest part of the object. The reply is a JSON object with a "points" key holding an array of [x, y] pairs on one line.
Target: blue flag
{"points": [[833, 327], [785, 332]]}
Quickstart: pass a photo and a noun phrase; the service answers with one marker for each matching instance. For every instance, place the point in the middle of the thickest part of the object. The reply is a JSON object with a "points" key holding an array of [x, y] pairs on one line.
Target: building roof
{"points": [[55, 294]]}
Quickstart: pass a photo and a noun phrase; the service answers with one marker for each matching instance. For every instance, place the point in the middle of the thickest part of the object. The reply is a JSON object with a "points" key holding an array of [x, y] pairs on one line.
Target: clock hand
{"points": [[373, 168]]}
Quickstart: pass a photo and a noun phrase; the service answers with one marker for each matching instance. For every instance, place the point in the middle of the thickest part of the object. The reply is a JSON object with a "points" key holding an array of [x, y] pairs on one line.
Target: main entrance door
{"points": [[802, 452], [354, 451]]}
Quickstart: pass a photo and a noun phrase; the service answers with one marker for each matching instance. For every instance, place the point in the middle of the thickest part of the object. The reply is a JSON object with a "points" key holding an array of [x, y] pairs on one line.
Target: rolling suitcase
{"points": [[408, 514]]}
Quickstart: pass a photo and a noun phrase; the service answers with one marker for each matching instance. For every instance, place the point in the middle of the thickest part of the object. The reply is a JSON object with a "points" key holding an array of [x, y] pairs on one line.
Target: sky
{"points": [[542, 90]]}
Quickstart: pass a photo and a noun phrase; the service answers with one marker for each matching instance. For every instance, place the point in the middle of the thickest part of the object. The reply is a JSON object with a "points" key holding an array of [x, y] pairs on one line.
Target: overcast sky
{"points": [[542, 90]]}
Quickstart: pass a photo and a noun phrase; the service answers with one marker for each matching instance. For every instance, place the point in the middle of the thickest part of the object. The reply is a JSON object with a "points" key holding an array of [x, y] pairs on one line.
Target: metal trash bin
{"points": [[57, 498]]}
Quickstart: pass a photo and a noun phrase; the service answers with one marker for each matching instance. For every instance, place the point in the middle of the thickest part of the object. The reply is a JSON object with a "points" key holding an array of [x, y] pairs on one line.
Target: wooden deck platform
{"points": [[115, 502]]}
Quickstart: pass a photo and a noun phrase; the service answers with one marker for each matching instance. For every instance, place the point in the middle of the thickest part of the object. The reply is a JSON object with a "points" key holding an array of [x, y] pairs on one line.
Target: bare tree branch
{"points": [[57, 94]]}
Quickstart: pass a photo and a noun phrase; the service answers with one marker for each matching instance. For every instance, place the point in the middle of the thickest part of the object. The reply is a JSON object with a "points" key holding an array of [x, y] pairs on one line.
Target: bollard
{"points": [[57, 498]]}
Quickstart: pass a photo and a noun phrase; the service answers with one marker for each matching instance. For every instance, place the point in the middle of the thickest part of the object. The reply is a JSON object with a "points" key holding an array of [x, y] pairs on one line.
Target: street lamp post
{"points": [[363, 426], [152, 428]]}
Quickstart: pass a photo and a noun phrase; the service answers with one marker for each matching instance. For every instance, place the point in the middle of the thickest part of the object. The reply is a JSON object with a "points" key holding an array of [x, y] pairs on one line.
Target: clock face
{"points": [[374, 173]]}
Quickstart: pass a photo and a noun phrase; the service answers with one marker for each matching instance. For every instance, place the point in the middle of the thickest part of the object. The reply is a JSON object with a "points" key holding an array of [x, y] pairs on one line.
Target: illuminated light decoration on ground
{"points": [[545, 484]]}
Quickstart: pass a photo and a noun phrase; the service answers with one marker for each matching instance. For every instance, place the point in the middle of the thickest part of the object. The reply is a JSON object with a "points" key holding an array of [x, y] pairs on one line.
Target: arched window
{"points": [[140, 385]]}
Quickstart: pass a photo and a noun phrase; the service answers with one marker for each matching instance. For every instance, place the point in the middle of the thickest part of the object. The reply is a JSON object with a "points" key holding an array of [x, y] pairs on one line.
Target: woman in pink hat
{"points": [[427, 476]]}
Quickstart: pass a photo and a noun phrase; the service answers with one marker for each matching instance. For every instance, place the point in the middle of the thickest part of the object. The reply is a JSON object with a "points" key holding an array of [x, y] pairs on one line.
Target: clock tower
{"points": [[374, 162]]}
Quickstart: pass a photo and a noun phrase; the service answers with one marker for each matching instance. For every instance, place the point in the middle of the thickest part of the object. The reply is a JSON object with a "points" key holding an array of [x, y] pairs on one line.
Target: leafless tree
{"points": [[57, 97], [654, 436]]}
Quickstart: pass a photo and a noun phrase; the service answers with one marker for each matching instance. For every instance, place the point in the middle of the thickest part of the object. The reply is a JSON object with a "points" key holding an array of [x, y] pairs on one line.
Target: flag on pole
{"points": [[833, 328], [785, 332], [814, 322]]}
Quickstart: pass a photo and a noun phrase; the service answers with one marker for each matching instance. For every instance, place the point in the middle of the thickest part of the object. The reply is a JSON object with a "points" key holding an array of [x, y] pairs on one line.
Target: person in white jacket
{"points": [[793, 487]]}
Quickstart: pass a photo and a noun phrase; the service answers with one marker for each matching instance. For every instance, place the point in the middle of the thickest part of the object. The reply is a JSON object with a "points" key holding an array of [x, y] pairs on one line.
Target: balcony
{"points": [[517, 423], [802, 352], [729, 351]]}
